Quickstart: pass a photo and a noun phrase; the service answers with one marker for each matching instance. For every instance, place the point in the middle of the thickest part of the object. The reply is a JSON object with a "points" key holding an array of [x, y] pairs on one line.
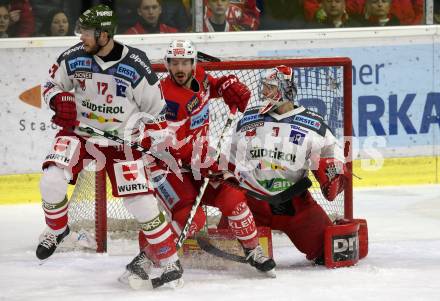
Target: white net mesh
{"points": [[319, 89]]}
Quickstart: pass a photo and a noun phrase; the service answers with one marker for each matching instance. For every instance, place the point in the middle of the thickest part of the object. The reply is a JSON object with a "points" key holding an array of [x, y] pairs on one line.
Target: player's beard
{"points": [[92, 50], [182, 78]]}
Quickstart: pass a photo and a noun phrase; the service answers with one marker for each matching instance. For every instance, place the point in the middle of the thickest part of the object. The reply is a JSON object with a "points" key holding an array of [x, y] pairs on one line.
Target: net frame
{"points": [[103, 215]]}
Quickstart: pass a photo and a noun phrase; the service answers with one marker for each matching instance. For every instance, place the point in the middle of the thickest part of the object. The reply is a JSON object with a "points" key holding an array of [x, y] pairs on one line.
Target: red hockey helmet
{"points": [[276, 88]]}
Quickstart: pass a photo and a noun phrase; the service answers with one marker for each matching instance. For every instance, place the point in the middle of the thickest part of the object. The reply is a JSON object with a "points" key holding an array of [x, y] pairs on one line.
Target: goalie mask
{"points": [[276, 88], [181, 49]]}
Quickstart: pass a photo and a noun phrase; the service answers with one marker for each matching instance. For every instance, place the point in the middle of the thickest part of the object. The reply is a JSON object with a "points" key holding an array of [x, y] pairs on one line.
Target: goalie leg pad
{"points": [[306, 228], [363, 237], [341, 245]]}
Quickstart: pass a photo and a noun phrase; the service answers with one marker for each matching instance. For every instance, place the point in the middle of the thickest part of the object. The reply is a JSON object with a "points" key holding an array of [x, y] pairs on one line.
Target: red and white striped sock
{"points": [[160, 240], [56, 215]]}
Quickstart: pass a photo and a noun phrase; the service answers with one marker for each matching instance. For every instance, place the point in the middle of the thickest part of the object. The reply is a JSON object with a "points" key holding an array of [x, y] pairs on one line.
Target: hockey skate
{"points": [[137, 274], [140, 267], [49, 243], [256, 258]]}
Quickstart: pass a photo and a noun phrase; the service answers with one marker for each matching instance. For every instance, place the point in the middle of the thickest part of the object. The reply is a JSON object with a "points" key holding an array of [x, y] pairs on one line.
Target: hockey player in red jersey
{"points": [[188, 89], [104, 84], [274, 146]]}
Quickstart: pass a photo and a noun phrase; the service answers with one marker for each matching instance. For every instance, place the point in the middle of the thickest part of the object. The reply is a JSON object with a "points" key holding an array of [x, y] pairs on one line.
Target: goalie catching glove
{"points": [[331, 178], [234, 93], [64, 106]]}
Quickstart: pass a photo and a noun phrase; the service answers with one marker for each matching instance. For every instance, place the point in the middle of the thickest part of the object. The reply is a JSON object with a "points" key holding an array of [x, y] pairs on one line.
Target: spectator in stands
{"points": [[409, 12], [149, 12], [4, 20], [22, 22], [378, 13], [221, 15], [56, 24], [333, 14], [437, 12], [175, 14], [281, 14]]}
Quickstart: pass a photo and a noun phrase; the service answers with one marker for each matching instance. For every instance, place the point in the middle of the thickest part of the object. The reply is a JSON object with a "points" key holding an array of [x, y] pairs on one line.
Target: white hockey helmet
{"points": [[282, 88], [181, 49]]}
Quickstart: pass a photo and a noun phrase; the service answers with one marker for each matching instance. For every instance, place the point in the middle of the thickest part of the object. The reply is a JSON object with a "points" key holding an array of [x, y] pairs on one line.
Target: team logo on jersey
{"points": [[200, 118], [172, 110], [83, 75], [192, 104], [130, 172], [130, 177], [275, 131], [166, 192], [257, 153], [275, 184], [82, 84], [205, 84], [307, 121], [128, 72], [251, 133], [296, 137], [80, 63], [61, 144], [265, 165], [121, 87], [250, 121]]}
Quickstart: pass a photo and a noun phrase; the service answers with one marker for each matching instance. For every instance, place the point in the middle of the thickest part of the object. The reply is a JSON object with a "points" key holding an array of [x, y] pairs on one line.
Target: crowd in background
{"points": [[27, 18]]}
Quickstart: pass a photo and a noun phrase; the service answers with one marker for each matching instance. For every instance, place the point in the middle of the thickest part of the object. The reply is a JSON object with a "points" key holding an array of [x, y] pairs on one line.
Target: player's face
{"points": [[270, 92], [379, 8], [59, 25], [87, 36], [150, 11], [333, 8], [181, 70]]}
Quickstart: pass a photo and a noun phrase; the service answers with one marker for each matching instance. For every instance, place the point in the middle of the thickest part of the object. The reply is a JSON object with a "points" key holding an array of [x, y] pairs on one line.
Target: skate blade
{"points": [[175, 284], [124, 277], [271, 274], [138, 283]]}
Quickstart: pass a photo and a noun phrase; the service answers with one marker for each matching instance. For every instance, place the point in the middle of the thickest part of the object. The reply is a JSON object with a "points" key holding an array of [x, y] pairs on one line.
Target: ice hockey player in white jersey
{"points": [[274, 146], [104, 84]]}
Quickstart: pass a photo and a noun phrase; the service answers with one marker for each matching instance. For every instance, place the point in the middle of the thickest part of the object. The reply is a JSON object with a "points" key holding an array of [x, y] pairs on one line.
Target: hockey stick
{"points": [[205, 244], [295, 190], [163, 156], [196, 204], [204, 57]]}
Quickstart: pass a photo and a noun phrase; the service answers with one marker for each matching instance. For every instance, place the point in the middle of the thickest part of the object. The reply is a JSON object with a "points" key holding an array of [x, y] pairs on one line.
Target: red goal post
{"points": [[324, 85]]}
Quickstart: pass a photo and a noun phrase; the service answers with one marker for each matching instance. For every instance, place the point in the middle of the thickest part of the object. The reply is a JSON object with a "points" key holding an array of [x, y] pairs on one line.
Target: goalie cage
{"points": [[324, 85]]}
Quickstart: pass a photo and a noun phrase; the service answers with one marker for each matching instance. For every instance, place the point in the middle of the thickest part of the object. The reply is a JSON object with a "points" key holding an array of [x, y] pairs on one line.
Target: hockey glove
{"points": [[65, 109], [235, 93], [331, 178]]}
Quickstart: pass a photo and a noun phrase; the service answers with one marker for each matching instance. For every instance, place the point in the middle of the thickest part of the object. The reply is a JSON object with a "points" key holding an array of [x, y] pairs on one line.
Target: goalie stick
{"points": [[296, 189]]}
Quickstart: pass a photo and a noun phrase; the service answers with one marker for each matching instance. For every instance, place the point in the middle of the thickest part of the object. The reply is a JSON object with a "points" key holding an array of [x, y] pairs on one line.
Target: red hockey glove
{"points": [[213, 171], [65, 109], [330, 175], [235, 93]]}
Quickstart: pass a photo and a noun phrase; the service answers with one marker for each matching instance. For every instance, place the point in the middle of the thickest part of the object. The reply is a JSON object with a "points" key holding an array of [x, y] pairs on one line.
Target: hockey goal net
{"points": [[324, 86]]}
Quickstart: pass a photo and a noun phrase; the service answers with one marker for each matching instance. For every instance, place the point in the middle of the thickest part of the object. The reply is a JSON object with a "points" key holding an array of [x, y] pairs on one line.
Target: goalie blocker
{"points": [[345, 243]]}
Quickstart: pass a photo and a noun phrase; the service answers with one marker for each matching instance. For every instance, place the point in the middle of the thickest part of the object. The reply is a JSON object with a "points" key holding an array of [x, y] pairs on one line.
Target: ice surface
{"points": [[403, 261]]}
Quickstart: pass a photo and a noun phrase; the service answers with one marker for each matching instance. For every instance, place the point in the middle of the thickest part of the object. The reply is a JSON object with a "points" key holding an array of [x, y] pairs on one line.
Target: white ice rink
{"points": [[403, 261]]}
